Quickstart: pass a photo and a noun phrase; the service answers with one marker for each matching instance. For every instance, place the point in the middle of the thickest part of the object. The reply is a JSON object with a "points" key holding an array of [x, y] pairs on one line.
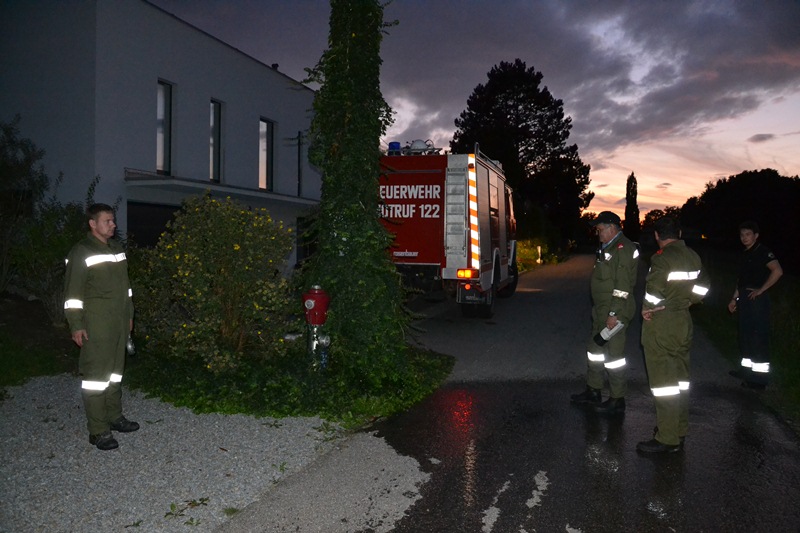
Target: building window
{"points": [[164, 128], [215, 141], [266, 131]]}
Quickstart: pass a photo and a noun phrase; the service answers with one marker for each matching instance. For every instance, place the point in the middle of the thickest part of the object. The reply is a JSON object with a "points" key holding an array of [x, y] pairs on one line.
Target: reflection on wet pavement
{"points": [[517, 457]]}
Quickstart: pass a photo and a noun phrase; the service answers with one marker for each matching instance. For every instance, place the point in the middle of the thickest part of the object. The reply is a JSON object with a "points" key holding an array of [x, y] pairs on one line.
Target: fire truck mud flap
{"points": [[475, 302]]}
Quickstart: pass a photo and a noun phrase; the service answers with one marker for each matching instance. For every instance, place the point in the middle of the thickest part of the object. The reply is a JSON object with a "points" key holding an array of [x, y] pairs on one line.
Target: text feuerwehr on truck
{"points": [[453, 220]]}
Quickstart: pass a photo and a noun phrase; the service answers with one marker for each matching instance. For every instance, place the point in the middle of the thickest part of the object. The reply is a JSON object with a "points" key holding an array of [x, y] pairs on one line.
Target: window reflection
{"points": [[164, 128]]}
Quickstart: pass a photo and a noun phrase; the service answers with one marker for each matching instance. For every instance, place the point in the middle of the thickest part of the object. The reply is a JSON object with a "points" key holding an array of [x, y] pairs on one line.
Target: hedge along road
{"points": [[499, 448]]}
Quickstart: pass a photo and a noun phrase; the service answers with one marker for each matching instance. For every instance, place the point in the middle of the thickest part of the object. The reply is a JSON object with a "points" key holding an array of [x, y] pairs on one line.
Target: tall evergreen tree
{"points": [[518, 122], [631, 223], [366, 320]]}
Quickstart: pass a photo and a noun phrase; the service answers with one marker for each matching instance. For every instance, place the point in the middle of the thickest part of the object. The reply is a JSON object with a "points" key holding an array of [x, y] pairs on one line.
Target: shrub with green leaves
{"points": [[23, 183], [44, 241], [213, 290]]}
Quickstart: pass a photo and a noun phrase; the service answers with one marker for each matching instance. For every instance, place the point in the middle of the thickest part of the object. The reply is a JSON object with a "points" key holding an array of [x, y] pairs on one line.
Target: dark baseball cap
{"points": [[606, 217]]}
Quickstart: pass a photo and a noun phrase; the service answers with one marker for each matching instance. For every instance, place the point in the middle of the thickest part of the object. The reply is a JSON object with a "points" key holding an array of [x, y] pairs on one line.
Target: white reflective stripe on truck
{"points": [[474, 233]]}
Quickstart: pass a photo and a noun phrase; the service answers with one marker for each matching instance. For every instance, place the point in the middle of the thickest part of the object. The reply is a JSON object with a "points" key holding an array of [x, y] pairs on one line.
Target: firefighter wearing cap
{"points": [[612, 283], [99, 310], [675, 281]]}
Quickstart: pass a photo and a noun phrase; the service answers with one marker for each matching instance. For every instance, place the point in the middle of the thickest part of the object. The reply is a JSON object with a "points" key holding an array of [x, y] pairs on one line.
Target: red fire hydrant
{"points": [[315, 303]]}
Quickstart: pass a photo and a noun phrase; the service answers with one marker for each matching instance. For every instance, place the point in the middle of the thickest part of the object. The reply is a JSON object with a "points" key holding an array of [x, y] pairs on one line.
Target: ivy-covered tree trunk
{"points": [[366, 319]]}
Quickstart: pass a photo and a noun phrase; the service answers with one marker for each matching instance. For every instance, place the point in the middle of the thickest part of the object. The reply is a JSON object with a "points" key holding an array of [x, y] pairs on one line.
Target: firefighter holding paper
{"points": [[99, 310], [614, 306], [676, 280]]}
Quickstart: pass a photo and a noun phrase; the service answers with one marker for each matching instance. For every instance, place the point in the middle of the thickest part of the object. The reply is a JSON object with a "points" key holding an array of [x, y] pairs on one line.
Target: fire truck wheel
{"points": [[511, 288]]}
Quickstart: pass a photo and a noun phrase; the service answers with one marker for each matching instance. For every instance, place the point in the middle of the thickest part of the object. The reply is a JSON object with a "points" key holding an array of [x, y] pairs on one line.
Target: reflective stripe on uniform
{"points": [[635, 253], [699, 289], [73, 304], [596, 357], [683, 276], [672, 390], [655, 300], [104, 258], [94, 385], [616, 293], [130, 293], [683, 385], [755, 367], [115, 378], [619, 363]]}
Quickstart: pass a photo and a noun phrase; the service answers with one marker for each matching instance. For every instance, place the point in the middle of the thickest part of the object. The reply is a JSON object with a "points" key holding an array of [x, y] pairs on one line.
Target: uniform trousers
{"points": [[754, 337], [609, 359], [666, 339], [101, 365]]}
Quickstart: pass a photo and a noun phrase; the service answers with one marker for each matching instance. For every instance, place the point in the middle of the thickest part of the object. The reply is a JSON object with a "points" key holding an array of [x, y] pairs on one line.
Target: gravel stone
{"points": [[180, 469]]}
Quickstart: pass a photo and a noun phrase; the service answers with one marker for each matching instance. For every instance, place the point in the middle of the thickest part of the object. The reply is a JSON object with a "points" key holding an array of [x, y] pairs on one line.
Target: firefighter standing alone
{"points": [[99, 310], [759, 270], [675, 281], [613, 280]]}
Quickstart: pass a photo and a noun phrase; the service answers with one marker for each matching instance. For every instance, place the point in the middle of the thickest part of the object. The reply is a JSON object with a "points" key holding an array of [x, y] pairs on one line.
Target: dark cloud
{"points": [[760, 138], [663, 186], [627, 71]]}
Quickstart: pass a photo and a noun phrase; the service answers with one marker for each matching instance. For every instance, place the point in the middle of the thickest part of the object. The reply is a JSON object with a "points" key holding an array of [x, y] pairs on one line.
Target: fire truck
{"points": [[453, 220]]}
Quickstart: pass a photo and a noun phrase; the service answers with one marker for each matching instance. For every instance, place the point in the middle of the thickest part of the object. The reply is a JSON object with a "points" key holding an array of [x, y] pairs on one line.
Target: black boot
{"points": [[682, 439], [654, 446], [612, 406], [123, 425], [588, 397], [104, 441]]}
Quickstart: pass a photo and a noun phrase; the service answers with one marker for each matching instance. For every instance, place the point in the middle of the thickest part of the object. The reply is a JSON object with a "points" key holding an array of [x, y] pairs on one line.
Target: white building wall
{"points": [[47, 77], [83, 74]]}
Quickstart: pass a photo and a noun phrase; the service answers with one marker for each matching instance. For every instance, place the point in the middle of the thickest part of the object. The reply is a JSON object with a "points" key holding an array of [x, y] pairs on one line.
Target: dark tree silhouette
{"points": [[518, 122], [765, 196], [650, 218], [654, 214], [631, 223], [23, 184]]}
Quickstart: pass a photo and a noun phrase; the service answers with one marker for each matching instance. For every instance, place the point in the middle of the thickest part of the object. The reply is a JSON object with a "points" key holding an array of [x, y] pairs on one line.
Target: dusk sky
{"points": [[678, 92]]}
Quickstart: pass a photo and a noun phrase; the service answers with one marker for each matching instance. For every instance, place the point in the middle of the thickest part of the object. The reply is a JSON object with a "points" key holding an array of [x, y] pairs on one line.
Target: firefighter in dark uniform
{"points": [[613, 280], [99, 310], [675, 281], [758, 271]]}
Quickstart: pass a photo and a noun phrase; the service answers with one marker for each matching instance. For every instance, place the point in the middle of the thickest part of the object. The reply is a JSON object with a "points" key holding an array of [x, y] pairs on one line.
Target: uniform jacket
{"points": [[676, 279], [96, 283], [614, 277]]}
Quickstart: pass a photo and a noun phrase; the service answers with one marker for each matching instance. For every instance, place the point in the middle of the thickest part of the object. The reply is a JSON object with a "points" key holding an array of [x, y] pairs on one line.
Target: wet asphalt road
{"points": [[506, 452]]}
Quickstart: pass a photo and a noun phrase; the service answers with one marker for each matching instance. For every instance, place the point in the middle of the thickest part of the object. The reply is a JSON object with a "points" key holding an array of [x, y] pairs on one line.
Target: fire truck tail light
{"points": [[466, 273], [467, 287]]}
